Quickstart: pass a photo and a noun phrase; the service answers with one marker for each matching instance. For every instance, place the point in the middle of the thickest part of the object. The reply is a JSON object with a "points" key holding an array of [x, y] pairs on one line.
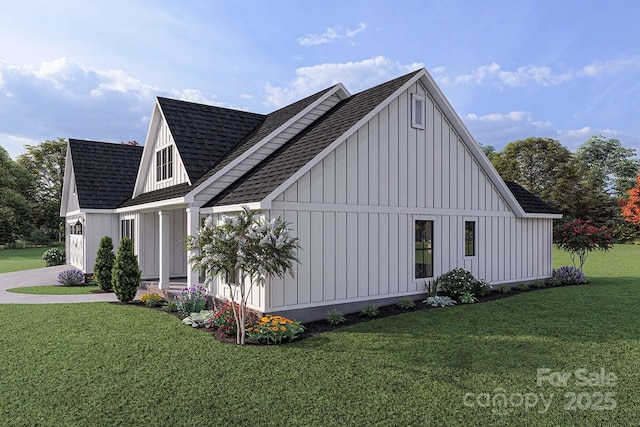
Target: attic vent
{"points": [[417, 111]]}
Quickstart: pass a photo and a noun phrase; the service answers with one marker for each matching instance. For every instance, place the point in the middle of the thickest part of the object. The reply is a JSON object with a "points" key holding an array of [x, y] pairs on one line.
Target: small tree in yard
{"points": [[105, 258], [580, 237], [245, 249], [631, 206], [126, 272]]}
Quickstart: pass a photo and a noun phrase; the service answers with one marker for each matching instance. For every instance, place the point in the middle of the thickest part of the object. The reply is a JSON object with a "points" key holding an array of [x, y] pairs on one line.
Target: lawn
{"points": [[55, 290], [108, 364], [21, 259]]}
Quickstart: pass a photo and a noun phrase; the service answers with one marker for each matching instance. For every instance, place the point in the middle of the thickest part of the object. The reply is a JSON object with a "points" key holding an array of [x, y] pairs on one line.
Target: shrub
{"points": [[458, 281], [522, 286], [191, 300], [468, 298], [224, 320], [569, 275], [54, 256], [102, 268], [405, 303], [539, 284], [151, 299], [432, 286], [580, 237], [171, 306], [334, 317], [504, 289], [200, 319], [439, 301], [554, 281], [369, 310], [125, 275], [274, 329], [71, 277]]}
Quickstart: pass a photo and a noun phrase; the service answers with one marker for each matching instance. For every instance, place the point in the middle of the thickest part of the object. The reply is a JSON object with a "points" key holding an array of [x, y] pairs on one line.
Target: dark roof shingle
{"points": [[172, 192], [259, 182], [205, 134], [530, 202], [105, 172]]}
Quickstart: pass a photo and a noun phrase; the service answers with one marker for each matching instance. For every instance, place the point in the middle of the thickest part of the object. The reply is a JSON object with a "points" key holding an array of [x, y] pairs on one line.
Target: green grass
{"points": [[21, 259], [55, 290], [107, 364]]}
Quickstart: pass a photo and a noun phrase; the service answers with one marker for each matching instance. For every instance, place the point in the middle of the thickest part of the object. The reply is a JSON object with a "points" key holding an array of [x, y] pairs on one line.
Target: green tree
{"points": [[15, 208], [544, 167], [46, 162], [607, 166], [125, 275], [245, 249], [105, 259], [488, 150]]}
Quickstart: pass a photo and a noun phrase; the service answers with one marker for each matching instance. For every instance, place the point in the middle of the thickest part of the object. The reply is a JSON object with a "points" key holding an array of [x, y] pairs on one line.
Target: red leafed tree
{"points": [[579, 237], [631, 206]]}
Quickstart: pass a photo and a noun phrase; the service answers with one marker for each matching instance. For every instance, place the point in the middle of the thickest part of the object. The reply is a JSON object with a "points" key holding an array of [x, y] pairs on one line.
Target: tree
{"points": [[15, 208], [126, 272], [246, 250], [46, 162], [607, 166], [105, 258], [488, 150], [544, 167], [579, 238], [631, 206]]}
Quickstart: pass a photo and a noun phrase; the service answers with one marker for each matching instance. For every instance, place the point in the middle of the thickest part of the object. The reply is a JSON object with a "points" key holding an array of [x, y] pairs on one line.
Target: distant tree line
{"points": [[30, 193], [591, 184]]}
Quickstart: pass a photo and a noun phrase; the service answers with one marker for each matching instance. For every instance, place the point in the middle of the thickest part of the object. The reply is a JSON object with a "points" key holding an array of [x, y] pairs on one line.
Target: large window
{"points": [[126, 228], [164, 163], [469, 238], [423, 249]]}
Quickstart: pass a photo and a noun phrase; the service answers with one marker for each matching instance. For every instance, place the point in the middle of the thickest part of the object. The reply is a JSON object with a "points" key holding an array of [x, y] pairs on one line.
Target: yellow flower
{"points": [[275, 328], [283, 328], [264, 319]]}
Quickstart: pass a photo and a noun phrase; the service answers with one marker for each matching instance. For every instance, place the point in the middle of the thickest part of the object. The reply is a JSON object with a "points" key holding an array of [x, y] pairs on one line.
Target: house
{"points": [[385, 189]]}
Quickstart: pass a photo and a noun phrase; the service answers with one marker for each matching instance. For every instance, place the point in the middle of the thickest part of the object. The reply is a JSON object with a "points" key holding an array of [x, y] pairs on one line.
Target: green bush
{"points": [[369, 310], [405, 303], [105, 258], [54, 256], [151, 299], [458, 281], [126, 272], [468, 298], [334, 317], [504, 289]]}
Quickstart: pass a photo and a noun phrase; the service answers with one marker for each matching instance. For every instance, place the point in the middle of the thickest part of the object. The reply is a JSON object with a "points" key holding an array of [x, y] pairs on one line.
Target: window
{"points": [[469, 238], [126, 228], [423, 249], [417, 111], [164, 163]]}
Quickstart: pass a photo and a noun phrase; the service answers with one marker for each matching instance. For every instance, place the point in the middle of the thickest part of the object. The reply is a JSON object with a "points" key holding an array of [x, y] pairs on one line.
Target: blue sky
{"points": [[511, 69]]}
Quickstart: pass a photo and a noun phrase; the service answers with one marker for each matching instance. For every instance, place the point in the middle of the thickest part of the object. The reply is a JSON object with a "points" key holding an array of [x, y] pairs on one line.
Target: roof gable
{"points": [[291, 157], [105, 173], [205, 134]]}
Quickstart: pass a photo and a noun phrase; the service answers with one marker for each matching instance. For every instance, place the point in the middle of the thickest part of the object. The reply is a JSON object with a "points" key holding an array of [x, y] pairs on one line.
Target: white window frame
{"points": [[434, 252], [127, 228], [475, 237], [418, 117], [164, 163]]}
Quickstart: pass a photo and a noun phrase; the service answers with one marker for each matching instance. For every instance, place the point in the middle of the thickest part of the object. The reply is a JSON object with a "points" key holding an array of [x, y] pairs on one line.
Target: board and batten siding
{"points": [[96, 226], [265, 150], [354, 214], [162, 140]]}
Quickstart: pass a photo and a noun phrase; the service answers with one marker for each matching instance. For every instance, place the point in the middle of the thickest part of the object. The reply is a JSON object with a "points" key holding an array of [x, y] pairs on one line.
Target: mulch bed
{"points": [[322, 326]]}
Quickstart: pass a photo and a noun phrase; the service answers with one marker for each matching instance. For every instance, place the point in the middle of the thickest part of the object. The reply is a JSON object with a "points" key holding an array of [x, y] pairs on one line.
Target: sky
{"points": [[511, 69]]}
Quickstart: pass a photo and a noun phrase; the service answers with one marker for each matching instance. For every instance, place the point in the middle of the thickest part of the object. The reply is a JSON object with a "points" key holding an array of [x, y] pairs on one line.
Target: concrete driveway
{"points": [[41, 276]]}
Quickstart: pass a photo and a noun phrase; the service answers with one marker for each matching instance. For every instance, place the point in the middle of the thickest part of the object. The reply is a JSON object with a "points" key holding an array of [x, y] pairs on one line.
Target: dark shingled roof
{"points": [[272, 122], [204, 134], [530, 202], [259, 182], [105, 173], [163, 194]]}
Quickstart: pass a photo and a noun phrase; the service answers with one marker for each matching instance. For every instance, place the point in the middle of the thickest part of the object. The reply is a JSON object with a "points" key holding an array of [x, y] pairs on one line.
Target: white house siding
{"points": [[96, 226], [74, 243], [164, 139], [354, 214], [265, 150]]}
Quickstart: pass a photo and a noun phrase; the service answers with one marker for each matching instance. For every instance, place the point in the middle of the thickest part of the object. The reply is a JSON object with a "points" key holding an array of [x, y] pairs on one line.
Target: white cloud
{"points": [[572, 133], [512, 116], [14, 143], [331, 34], [611, 67], [498, 129], [573, 138], [479, 75], [354, 75], [542, 76]]}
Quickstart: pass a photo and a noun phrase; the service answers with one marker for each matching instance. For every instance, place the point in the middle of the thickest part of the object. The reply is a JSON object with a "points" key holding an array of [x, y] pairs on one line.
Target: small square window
{"points": [[417, 111]]}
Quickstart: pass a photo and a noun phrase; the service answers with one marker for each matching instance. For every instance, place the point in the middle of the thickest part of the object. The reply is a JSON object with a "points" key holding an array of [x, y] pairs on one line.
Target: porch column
{"points": [[165, 249], [193, 224]]}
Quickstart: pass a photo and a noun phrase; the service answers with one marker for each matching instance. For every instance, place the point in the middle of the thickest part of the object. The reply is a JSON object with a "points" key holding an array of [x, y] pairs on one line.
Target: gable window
{"points": [[417, 111], [164, 163], [126, 228], [469, 238], [423, 246]]}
